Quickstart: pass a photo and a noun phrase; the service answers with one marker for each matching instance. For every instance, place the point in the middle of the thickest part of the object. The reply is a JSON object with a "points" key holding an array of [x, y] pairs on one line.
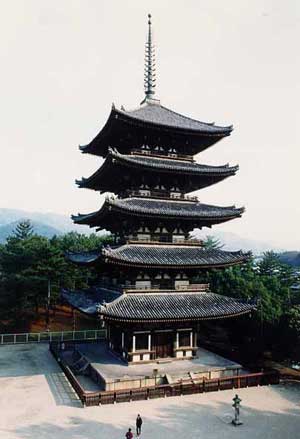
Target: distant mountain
{"points": [[45, 224], [291, 258], [39, 228], [49, 224], [234, 242]]}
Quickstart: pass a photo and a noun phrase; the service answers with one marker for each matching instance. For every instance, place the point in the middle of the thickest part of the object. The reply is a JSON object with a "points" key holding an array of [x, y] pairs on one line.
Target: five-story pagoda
{"points": [[148, 294]]}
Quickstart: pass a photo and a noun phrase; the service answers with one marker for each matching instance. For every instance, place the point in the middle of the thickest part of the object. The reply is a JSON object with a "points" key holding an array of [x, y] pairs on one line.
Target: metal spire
{"points": [[149, 74]]}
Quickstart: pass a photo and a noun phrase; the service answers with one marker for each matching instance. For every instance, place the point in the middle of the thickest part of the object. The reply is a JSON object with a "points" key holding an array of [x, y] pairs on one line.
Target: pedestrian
{"points": [[129, 434], [138, 422]]}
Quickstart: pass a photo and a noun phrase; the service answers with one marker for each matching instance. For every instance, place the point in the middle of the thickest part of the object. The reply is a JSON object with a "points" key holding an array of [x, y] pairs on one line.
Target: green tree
{"points": [[212, 243], [23, 230], [270, 263]]}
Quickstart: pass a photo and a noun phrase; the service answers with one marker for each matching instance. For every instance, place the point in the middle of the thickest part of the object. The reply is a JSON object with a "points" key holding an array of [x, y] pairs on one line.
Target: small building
{"points": [[149, 292]]}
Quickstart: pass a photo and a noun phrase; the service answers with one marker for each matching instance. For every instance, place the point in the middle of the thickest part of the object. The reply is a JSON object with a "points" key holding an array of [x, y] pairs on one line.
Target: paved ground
{"points": [[36, 402], [111, 367]]}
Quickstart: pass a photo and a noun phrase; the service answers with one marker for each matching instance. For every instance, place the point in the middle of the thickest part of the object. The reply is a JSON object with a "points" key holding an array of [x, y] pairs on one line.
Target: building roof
{"points": [[140, 307], [156, 208], [153, 307], [150, 118], [158, 256], [155, 113], [89, 300], [110, 175]]}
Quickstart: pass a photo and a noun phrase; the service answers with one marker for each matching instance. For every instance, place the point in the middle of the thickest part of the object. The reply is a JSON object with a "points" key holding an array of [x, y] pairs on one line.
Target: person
{"points": [[129, 434], [139, 422]]}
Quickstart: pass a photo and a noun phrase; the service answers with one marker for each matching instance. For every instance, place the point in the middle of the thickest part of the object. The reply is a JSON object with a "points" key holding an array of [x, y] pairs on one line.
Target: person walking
{"points": [[129, 434], [138, 422]]}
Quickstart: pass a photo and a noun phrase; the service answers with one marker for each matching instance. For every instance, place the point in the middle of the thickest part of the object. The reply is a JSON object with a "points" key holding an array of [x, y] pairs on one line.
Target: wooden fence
{"points": [[165, 390]]}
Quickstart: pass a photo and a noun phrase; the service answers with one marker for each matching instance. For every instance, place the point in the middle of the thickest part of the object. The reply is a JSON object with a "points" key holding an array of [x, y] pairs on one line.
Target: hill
{"points": [[291, 258], [45, 224], [39, 228]]}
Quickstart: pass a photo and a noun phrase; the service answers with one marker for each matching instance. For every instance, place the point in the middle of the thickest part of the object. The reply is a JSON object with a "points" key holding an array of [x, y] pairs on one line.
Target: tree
{"points": [[212, 243], [23, 230], [270, 263]]}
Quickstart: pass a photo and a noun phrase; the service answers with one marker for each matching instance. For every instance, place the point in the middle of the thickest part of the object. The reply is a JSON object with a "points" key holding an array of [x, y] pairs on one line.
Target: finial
{"points": [[149, 76]]}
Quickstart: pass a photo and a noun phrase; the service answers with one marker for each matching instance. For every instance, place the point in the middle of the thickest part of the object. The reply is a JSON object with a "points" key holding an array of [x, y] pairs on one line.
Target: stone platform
{"points": [[113, 374]]}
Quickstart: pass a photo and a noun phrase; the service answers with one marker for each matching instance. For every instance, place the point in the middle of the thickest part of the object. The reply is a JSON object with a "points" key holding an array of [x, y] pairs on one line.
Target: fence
{"points": [[41, 337], [185, 387]]}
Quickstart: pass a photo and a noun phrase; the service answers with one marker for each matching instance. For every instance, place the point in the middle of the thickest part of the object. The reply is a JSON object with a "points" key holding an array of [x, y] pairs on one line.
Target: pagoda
{"points": [[149, 294]]}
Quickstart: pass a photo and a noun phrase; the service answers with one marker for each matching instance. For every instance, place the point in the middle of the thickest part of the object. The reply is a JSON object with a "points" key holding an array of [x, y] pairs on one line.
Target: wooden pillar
{"points": [[191, 338], [149, 342], [133, 343], [177, 339]]}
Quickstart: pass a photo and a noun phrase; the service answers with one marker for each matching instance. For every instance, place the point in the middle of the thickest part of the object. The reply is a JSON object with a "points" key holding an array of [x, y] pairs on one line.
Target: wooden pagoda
{"points": [[148, 293]]}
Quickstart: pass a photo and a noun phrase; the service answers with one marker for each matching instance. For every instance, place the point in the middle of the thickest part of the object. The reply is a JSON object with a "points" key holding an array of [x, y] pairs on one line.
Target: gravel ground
{"points": [[36, 402]]}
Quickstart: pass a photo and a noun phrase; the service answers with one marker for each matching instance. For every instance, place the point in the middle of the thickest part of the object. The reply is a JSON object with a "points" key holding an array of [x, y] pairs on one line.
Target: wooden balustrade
{"points": [[185, 387]]}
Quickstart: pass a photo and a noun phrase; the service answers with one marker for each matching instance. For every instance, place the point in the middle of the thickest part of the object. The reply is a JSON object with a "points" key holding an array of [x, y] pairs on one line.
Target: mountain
{"points": [[39, 228], [233, 242], [291, 258], [49, 224], [45, 224]]}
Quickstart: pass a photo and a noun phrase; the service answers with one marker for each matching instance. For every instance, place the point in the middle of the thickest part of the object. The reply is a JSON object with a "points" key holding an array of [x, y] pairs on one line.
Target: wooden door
{"points": [[164, 344]]}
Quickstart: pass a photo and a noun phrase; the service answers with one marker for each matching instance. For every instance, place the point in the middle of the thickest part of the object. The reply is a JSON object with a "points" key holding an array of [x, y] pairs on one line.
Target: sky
{"points": [[63, 63]]}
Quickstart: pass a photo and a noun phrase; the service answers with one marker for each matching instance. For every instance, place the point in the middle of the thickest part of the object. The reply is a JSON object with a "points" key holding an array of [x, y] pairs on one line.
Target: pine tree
{"points": [[23, 230], [212, 243]]}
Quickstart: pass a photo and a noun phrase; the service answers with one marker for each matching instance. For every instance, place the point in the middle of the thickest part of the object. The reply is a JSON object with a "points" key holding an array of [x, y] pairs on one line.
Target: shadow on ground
{"points": [[181, 417]]}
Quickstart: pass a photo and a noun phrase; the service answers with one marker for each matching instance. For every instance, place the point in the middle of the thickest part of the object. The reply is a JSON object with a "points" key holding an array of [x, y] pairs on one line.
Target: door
{"points": [[164, 344]]}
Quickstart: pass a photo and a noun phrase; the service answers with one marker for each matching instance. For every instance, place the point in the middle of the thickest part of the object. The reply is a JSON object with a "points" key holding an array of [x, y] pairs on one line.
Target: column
{"points": [[191, 338], [122, 340], [133, 343], [177, 340], [149, 342]]}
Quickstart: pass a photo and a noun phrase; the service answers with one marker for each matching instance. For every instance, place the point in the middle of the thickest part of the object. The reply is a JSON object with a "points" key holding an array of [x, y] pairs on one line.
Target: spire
{"points": [[149, 73]]}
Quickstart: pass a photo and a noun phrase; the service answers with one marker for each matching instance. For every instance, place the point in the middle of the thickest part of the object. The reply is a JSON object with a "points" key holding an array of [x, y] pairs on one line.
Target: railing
{"points": [[189, 242], [162, 154], [41, 337], [185, 387], [165, 195], [166, 289]]}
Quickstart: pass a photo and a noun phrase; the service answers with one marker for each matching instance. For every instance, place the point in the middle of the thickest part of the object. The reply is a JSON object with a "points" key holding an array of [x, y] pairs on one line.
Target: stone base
{"points": [[113, 374]]}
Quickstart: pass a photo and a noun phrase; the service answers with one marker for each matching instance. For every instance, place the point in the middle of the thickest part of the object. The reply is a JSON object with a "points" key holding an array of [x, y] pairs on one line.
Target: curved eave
{"points": [[133, 120], [182, 319], [98, 180], [84, 258], [124, 263], [174, 306], [95, 219], [99, 145]]}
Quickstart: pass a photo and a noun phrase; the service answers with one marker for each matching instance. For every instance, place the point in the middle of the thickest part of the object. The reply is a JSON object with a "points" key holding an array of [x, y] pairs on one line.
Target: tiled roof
{"points": [[84, 257], [89, 300], [174, 306], [170, 164], [172, 256], [174, 208], [160, 208], [155, 306], [158, 164], [155, 113]]}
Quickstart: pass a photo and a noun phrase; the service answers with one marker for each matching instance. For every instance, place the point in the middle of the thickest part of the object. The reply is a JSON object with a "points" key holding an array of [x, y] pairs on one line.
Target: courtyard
{"points": [[37, 402]]}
